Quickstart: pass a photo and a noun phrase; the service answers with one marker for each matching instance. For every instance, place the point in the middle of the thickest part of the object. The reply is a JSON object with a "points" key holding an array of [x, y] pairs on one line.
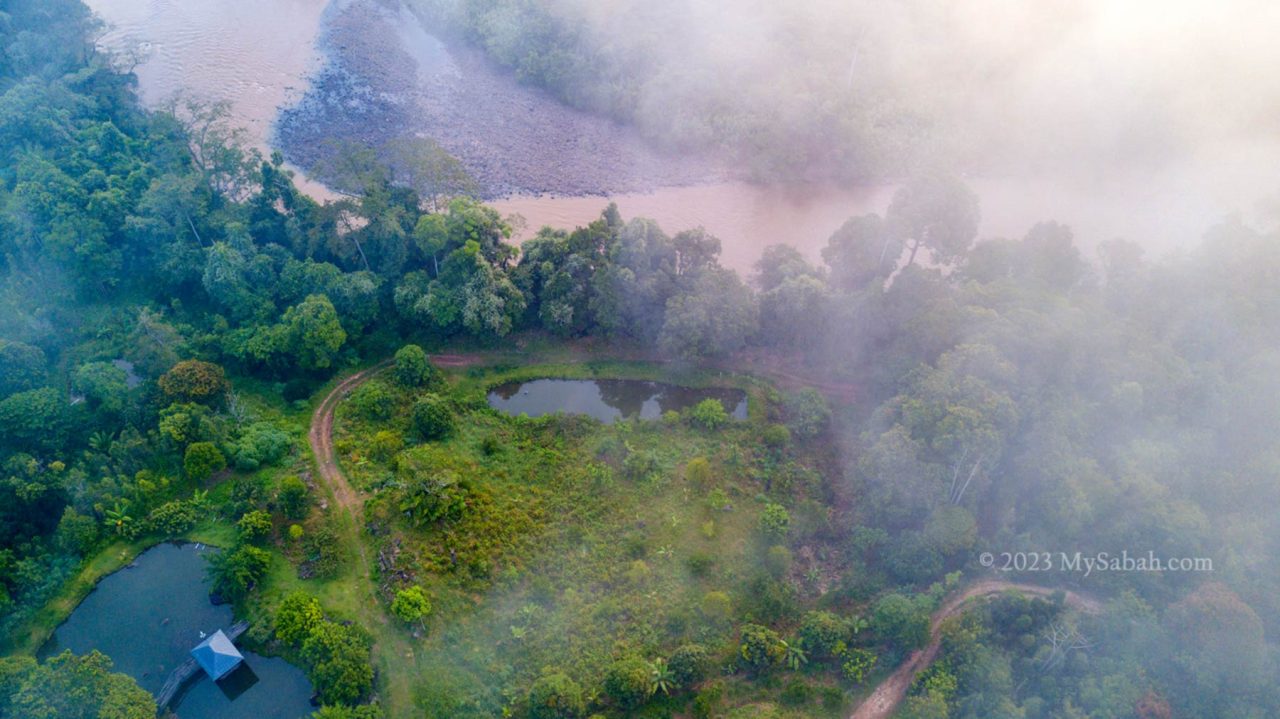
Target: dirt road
{"points": [[885, 699], [321, 439]]}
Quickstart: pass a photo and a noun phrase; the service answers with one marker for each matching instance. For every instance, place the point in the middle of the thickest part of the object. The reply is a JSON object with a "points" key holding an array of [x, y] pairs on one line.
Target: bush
{"points": [[776, 436], [411, 605], [774, 520], [322, 555], [262, 443], [234, 573], [556, 696], [807, 413], [689, 664], [254, 527], [760, 647], [298, 614], [698, 472], [412, 367], [822, 633], [294, 498], [338, 662], [77, 533], [385, 445], [202, 460], [194, 381], [372, 400], [627, 682], [432, 418], [172, 518], [777, 561], [716, 607], [709, 414], [856, 664]]}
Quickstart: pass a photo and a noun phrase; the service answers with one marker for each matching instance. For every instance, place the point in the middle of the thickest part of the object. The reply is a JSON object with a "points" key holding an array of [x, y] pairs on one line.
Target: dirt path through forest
{"points": [[885, 699]]}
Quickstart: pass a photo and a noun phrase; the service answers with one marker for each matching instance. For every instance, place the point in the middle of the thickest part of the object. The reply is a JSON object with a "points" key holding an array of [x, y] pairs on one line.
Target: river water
{"points": [[259, 54]]}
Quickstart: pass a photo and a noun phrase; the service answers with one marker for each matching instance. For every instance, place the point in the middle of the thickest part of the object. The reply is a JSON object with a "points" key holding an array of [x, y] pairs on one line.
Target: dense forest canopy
{"points": [[1011, 395]]}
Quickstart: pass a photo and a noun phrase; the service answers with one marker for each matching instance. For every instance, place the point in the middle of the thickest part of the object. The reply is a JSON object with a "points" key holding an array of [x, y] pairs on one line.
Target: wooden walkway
{"points": [[187, 671]]}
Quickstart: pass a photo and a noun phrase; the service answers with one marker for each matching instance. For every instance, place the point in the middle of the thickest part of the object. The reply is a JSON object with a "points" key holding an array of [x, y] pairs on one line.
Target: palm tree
{"points": [[661, 678], [118, 518], [792, 656], [200, 498]]}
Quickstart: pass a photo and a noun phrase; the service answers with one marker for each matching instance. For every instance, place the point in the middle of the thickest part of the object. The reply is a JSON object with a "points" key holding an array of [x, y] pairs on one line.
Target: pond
{"points": [[609, 400], [148, 616]]}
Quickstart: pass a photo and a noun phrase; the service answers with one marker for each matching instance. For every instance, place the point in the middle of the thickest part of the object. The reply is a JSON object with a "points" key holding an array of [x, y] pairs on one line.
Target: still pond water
{"points": [[147, 617], [608, 400]]}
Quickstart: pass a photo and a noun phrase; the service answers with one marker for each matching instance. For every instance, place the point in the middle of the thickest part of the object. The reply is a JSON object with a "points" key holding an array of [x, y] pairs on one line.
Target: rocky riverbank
{"points": [[385, 77]]}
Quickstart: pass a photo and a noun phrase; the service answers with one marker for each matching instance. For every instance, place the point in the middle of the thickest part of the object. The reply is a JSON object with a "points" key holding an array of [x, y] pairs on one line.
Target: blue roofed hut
{"points": [[217, 656]]}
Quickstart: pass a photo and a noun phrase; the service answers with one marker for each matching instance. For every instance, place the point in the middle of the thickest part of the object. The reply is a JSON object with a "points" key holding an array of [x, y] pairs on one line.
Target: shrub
{"points": [[172, 518], [760, 647], [262, 443], [639, 465], [556, 696], [338, 661], [822, 633], [194, 381], [627, 682], [412, 367], [234, 573], [432, 418], [372, 400], [774, 520], [294, 498], [796, 693], [777, 561], [689, 664], [298, 614], [254, 527], [856, 664], [698, 472], [433, 498], [807, 413], [202, 460], [295, 532], [411, 604], [716, 606], [709, 414], [776, 436], [76, 533], [385, 445], [322, 554]]}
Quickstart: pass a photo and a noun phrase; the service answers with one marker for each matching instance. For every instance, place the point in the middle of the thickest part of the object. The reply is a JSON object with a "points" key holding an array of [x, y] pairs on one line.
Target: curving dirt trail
{"points": [[320, 437], [885, 699]]}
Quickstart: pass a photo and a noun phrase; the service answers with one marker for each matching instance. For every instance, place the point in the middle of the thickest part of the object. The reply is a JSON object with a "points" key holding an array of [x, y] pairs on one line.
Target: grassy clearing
{"points": [[579, 544]]}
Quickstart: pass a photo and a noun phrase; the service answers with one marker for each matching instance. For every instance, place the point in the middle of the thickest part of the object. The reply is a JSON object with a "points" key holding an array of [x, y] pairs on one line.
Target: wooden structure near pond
{"points": [[187, 671]]}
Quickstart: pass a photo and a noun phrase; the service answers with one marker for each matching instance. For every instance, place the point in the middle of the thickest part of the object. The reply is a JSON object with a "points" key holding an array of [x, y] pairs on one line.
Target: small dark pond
{"points": [[608, 399], [148, 616]]}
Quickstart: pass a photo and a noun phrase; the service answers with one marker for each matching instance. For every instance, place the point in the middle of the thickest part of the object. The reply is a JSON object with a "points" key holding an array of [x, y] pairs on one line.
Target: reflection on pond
{"points": [[147, 618], [608, 399]]}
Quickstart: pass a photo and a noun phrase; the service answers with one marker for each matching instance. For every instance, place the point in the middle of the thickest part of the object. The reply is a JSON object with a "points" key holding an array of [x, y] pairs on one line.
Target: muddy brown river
{"points": [[259, 54]]}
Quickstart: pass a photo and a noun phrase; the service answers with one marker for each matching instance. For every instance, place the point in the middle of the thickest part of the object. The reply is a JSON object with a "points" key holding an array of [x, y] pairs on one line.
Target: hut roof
{"points": [[217, 656]]}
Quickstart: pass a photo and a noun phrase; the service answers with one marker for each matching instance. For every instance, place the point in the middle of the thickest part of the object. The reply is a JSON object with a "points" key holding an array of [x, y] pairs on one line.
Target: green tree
{"points": [[760, 647], [22, 367], [411, 604], [37, 420], [313, 332], [412, 367], [67, 686], [432, 418], [254, 527], [822, 633], [690, 664], [294, 497], [856, 663], [935, 211], [714, 318], [103, 385], [235, 572], [628, 682], [555, 696], [202, 460], [901, 621], [338, 660], [709, 414], [298, 614], [195, 381]]}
